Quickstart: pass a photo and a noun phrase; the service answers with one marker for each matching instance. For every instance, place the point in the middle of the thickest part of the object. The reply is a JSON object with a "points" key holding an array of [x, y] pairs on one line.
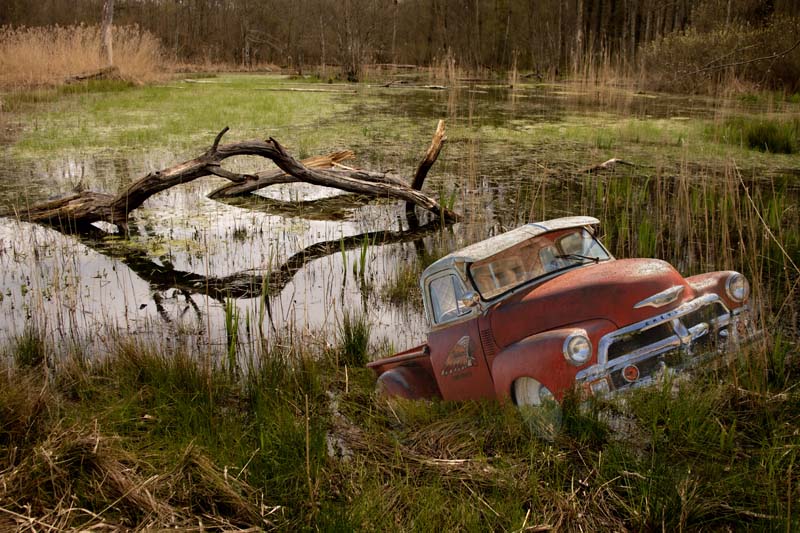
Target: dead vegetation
{"points": [[79, 478], [57, 473], [54, 55]]}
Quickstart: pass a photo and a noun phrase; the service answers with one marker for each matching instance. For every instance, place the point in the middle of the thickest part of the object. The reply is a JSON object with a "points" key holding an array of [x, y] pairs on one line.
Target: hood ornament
{"points": [[662, 298]]}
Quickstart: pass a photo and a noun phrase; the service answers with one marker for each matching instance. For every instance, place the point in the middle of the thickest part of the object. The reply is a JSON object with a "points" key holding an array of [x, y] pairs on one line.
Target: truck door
{"points": [[457, 358]]}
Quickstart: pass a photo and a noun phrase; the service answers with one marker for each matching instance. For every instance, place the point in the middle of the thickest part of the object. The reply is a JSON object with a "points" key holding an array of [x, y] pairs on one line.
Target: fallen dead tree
{"points": [[273, 177], [77, 211], [105, 73]]}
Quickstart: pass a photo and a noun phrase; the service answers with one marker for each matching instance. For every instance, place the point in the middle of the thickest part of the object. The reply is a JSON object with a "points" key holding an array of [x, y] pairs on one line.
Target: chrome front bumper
{"points": [[637, 354]]}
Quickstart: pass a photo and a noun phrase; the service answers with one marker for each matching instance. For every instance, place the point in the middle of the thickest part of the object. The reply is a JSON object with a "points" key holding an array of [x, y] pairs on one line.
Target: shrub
{"points": [[703, 61]]}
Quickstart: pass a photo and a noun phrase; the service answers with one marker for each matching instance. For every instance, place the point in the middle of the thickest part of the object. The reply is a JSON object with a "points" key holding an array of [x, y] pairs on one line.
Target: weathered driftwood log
{"points": [[78, 210], [608, 165], [265, 179], [104, 73], [330, 164]]}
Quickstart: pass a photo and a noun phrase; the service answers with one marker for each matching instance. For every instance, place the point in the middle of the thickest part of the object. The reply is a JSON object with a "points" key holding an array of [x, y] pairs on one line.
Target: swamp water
{"points": [[298, 259]]}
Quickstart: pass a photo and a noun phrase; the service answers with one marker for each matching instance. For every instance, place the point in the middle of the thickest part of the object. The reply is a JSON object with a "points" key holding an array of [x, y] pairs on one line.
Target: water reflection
{"points": [[68, 285]]}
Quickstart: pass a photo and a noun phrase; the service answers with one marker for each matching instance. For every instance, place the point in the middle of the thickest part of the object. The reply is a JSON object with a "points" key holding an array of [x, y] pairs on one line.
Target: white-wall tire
{"points": [[538, 407]]}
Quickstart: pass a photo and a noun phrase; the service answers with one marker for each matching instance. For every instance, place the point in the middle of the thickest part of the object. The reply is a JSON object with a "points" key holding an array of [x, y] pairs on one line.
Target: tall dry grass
{"points": [[47, 56]]}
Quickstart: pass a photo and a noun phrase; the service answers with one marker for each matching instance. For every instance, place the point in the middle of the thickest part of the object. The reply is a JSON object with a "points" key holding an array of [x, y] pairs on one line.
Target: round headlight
{"points": [[577, 348], [737, 287]]}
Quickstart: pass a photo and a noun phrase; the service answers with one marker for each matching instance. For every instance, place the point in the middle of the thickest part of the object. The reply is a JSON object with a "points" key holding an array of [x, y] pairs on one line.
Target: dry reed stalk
{"points": [[47, 56]]}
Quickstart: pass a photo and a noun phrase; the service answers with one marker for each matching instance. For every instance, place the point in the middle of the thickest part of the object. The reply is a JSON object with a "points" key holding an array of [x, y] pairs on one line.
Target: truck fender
{"points": [[713, 283], [541, 357], [410, 382]]}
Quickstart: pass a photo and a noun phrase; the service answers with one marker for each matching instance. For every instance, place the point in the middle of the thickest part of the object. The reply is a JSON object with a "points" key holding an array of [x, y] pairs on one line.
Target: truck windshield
{"points": [[535, 258]]}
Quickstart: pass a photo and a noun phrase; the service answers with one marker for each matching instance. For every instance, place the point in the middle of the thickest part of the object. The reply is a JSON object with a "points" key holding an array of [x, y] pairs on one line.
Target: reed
{"points": [[774, 136], [47, 56]]}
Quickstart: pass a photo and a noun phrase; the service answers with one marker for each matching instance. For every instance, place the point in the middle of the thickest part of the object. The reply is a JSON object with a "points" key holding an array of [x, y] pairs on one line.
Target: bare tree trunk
{"points": [[427, 162], [106, 50], [578, 59], [560, 35], [394, 32]]}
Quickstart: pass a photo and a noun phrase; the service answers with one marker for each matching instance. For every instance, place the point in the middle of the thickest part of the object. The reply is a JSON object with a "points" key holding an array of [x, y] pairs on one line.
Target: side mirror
{"points": [[470, 299]]}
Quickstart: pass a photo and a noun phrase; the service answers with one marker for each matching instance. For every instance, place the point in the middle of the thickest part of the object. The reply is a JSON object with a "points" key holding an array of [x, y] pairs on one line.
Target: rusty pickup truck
{"points": [[530, 314]]}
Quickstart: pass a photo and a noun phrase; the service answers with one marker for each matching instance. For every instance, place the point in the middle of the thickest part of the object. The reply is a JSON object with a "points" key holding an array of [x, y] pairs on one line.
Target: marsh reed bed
{"points": [[236, 423], [47, 56]]}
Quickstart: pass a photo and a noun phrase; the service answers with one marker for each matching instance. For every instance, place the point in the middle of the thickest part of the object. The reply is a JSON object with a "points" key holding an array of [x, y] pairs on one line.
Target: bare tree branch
{"points": [[740, 63]]}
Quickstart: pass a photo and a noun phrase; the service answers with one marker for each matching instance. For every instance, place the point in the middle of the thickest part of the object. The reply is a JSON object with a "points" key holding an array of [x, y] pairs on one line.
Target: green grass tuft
{"points": [[354, 333], [30, 350], [765, 135]]}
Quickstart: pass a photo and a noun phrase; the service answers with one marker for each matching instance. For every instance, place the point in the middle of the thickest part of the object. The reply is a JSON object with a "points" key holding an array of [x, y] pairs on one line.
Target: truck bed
{"points": [[418, 355], [408, 374]]}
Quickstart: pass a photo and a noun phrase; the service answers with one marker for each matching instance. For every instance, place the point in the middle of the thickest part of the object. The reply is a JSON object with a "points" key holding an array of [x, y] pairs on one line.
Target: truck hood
{"points": [[607, 290]]}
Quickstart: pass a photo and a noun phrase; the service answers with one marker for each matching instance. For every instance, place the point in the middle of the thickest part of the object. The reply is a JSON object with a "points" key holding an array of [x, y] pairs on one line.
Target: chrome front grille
{"points": [[672, 340], [712, 313], [637, 340], [680, 327]]}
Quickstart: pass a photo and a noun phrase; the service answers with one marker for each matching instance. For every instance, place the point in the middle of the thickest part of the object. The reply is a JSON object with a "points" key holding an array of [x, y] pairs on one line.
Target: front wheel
{"points": [[538, 407]]}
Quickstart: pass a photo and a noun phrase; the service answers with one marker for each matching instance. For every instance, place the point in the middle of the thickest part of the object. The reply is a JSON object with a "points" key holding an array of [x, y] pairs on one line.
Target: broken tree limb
{"points": [[81, 209], [353, 181], [431, 155], [330, 208], [272, 177]]}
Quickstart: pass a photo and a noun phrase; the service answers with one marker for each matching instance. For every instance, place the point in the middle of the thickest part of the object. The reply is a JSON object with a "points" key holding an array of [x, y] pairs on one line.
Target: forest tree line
{"points": [[542, 36]]}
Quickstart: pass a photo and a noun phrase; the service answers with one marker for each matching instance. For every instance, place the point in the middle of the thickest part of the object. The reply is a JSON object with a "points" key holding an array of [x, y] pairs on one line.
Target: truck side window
{"points": [[581, 242], [446, 293]]}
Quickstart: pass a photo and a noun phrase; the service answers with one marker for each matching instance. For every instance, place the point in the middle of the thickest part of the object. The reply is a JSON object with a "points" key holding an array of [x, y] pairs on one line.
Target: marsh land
{"points": [[142, 391]]}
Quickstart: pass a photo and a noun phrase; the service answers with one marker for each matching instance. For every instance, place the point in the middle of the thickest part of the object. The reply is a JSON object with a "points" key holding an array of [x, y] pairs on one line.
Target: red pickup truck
{"points": [[532, 313]]}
